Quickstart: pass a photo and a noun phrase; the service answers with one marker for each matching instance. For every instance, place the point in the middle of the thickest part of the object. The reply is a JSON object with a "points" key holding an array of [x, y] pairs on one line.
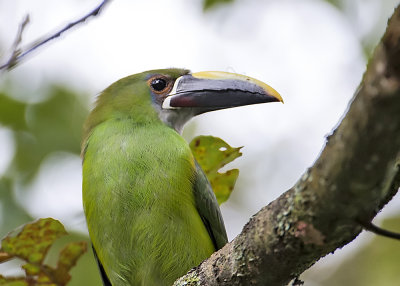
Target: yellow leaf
{"points": [[213, 153]]}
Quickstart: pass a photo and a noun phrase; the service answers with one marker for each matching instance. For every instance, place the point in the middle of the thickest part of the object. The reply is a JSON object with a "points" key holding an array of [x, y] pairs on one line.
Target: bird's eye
{"points": [[158, 84]]}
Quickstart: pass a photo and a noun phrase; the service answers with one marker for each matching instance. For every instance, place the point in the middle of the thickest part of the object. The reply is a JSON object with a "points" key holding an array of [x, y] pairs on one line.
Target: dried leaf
{"points": [[13, 281], [68, 258], [31, 243], [35, 239]]}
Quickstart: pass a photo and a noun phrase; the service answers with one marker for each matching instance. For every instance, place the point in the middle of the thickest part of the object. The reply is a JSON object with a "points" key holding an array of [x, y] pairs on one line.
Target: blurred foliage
{"points": [[52, 125], [337, 3], [11, 212], [212, 154], [31, 244], [377, 263], [376, 11], [38, 129], [12, 112], [210, 4]]}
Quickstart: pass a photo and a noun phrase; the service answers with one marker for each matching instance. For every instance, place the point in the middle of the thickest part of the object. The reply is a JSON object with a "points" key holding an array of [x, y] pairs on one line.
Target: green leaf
{"points": [[210, 4], [212, 154], [337, 3]]}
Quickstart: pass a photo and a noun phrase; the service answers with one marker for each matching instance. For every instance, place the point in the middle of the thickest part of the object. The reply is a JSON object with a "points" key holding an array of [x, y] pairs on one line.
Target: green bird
{"points": [[150, 210]]}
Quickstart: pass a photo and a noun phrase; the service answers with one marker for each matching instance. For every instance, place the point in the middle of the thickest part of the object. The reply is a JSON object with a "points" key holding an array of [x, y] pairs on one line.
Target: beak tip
{"points": [[269, 91], [276, 96]]}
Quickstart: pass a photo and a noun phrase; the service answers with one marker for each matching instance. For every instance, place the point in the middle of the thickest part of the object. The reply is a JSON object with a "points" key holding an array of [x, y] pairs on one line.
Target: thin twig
{"points": [[379, 231], [18, 54], [16, 51]]}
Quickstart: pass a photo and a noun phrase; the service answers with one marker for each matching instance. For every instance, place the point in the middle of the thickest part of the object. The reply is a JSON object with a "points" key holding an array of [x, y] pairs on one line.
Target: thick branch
{"points": [[357, 173], [18, 53]]}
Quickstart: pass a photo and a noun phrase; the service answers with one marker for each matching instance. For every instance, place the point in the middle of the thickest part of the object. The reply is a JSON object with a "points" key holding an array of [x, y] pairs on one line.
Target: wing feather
{"points": [[208, 208]]}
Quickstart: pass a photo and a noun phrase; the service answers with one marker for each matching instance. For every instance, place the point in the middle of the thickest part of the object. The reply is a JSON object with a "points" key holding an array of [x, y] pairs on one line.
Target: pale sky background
{"points": [[307, 50]]}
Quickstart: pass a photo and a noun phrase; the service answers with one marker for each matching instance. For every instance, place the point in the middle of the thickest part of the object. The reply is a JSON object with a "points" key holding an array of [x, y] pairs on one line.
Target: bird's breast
{"points": [[139, 202]]}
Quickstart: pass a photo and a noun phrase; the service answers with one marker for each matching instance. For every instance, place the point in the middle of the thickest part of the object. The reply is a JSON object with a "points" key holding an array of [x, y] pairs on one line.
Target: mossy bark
{"points": [[356, 174]]}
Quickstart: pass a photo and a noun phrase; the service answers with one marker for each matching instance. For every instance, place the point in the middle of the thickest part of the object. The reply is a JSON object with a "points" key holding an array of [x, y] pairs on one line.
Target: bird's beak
{"points": [[208, 91]]}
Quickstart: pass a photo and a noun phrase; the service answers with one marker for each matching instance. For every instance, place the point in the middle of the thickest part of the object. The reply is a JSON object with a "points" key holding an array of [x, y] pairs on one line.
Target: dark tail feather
{"points": [[106, 281]]}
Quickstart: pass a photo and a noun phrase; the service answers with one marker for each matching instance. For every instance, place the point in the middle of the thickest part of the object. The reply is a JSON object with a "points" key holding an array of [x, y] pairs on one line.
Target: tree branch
{"points": [[356, 174], [18, 53]]}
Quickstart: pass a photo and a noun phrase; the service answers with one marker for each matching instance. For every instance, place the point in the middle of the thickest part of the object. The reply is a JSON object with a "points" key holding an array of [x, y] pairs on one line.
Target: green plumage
{"points": [[150, 211], [149, 208]]}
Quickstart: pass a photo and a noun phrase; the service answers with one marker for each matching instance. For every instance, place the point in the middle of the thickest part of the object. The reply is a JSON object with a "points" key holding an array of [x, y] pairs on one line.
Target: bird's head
{"points": [[173, 96]]}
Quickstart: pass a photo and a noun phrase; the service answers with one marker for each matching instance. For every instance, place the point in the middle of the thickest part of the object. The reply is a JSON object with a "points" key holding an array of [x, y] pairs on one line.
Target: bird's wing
{"points": [[208, 208]]}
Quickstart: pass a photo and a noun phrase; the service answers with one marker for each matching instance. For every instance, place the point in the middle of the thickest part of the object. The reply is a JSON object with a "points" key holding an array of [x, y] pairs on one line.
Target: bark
{"points": [[356, 174]]}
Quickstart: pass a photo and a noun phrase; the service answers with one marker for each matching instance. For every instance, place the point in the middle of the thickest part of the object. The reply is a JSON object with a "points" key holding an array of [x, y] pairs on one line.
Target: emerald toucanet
{"points": [[150, 210]]}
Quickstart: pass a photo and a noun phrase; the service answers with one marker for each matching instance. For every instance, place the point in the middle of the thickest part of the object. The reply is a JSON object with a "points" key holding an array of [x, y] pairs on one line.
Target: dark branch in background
{"points": [[357, 173], [18, 53]]}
